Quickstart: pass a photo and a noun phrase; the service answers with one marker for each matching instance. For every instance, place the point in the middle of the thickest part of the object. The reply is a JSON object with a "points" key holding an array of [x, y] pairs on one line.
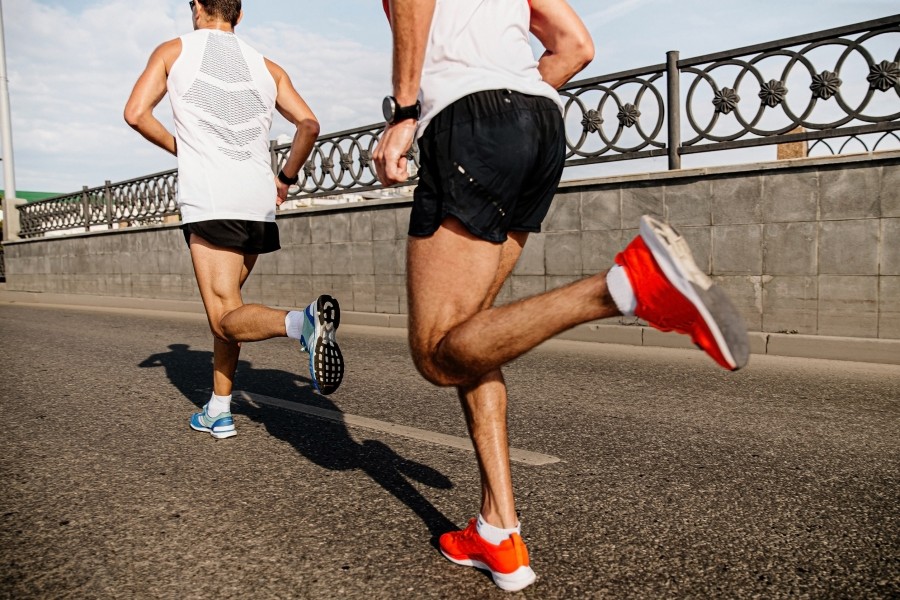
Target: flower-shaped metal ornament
{"points": [[825, 85], [628, 115], [726, 100], [592, 121], [773, 93], [884, 75]]}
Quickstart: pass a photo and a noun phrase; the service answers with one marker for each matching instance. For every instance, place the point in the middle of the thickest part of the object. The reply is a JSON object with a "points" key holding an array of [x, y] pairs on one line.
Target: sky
{"points": [[71, 64]]}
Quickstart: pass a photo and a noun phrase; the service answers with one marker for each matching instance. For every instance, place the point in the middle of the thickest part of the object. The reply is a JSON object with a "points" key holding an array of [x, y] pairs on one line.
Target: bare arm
{"points": [[568, 43], [410, 24], [147, 93], [293, 108]]}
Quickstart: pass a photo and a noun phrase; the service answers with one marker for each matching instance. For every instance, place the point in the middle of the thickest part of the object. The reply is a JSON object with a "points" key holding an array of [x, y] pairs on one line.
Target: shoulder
{"points": [[168, 52], [277, 73]]}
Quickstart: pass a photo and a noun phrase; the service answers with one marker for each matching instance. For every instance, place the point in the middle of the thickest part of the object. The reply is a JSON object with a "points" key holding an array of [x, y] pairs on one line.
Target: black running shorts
{"points": [[493, 160], [248, 237]]}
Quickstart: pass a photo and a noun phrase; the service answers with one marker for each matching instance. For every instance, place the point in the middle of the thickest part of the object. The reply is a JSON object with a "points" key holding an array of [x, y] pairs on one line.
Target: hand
{"points": [[281, 191], [390, 154]]}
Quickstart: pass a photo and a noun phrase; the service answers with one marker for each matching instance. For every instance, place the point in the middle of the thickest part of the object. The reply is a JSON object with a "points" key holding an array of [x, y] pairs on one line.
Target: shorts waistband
{"points": [[493, 102]]}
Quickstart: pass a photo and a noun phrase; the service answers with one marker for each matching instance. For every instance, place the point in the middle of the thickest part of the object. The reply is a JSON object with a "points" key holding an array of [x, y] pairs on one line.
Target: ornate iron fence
{"points": [[339, 162], [839, 89], [142, 201]]}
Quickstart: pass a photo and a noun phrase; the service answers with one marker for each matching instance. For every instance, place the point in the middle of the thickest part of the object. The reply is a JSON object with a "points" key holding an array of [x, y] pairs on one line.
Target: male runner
{"points": [[223, 95], [492, 146]]}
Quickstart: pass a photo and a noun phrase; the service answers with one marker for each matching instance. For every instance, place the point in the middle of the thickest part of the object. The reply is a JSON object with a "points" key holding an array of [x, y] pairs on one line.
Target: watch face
{"points": [[388, 108]]}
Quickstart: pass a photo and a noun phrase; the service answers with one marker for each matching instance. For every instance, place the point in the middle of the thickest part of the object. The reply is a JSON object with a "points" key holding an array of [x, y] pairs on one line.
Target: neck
{"points": [[216, 24], [219, 26]]}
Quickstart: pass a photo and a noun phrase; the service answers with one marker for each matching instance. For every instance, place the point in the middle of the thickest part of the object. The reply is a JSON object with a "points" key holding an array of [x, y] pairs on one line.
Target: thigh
{"points": [[220, 274], [509, 256], [451, 276]]}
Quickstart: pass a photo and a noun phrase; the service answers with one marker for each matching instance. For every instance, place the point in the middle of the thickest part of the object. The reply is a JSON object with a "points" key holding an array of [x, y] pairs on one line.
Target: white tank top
{"points": [[223, 99], [478, 45]]}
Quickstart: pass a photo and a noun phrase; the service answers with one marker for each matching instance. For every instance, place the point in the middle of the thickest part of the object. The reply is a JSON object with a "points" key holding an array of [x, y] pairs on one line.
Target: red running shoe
{"points": [[673, 294], [507, 563]]}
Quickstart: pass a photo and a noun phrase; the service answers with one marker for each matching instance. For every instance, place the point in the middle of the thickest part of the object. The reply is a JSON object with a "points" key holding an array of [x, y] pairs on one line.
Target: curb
{"points": [[868, 350]]}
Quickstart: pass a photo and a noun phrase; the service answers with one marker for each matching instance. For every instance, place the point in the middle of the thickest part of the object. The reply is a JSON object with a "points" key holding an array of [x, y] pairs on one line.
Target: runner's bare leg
{"points": [[221, 272], [454, 278]]}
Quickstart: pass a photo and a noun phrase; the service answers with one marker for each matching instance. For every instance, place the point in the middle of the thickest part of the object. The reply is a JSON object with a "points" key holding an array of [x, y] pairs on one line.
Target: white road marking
{"points": [[515, 455]]}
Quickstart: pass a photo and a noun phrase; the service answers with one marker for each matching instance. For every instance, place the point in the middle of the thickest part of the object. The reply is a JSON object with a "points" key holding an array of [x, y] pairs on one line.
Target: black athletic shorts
{"points": [[248, 237], [491, 159]]}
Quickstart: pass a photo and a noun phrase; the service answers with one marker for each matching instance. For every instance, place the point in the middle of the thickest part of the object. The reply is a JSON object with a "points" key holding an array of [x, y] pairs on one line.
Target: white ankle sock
{"points": [[218, 405], [492, 534], [293, 324], [621, 291]]}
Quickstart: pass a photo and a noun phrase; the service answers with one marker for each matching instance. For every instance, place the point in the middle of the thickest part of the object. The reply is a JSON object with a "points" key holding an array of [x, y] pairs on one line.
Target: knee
{"points": [[218, 332], [427, 362], [430, 371], [217, 326]]}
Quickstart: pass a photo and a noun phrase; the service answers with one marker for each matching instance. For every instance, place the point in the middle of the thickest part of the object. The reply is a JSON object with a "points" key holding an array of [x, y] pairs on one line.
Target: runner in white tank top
{"points": [[223, 95], [491, 150], [223, 99]]}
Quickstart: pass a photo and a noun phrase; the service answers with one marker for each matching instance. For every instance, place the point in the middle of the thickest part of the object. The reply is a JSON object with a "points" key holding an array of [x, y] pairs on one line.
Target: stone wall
{"points": [[808, 246]]}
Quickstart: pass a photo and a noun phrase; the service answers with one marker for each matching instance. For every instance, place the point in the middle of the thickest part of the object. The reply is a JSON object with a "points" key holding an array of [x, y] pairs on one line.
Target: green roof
{"points": [[31, 196]]}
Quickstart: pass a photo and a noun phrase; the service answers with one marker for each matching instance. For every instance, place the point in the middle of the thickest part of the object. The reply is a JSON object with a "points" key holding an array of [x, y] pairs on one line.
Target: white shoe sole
{"points": [[326, 362], [219, 435], [519, 579]]}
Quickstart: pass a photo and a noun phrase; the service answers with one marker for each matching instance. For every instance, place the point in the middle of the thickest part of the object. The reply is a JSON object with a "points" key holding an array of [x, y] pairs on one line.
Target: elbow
{"points": [[583, 51], [309, 127], [132, 116]]}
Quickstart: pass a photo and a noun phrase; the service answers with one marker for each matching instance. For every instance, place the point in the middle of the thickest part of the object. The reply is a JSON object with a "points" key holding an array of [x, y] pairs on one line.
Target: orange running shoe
{"points": [[507, 563], [673, 294]]}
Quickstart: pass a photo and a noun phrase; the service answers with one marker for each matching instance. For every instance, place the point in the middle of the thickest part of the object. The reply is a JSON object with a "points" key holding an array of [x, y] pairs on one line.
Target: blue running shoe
{"points": [[221, 426], [326, 363]]}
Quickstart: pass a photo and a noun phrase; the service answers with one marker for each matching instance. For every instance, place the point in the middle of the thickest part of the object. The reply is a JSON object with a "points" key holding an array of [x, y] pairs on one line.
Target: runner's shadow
{"points": [[325, 443]]}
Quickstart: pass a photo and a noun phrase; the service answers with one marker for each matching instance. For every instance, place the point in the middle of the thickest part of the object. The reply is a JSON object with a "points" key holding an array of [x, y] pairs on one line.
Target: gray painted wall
{"points": [[810, 246]]}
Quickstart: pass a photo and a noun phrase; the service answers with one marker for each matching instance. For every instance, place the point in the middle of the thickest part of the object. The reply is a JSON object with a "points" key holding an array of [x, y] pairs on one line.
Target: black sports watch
{"points": [[394, 113], [288, 180]]}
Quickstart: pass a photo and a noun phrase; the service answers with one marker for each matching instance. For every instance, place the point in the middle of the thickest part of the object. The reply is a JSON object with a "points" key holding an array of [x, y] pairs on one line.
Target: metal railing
{"points": [[839, 84]]}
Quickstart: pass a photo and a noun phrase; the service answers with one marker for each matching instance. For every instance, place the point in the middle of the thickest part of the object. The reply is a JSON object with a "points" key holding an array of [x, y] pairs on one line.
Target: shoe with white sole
{"points": [[507, 562], [673, 294], [220, 426], [326, 363]]}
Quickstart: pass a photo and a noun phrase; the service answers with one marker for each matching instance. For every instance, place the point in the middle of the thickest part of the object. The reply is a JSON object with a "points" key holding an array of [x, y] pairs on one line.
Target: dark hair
{"points": [[227, 10]]}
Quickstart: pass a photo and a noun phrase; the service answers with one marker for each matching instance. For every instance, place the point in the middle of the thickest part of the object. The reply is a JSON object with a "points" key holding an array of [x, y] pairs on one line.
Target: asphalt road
{"points": [[675, 479]]}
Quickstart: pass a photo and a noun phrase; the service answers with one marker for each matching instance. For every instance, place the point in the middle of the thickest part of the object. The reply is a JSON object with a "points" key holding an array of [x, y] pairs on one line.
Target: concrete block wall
{"points": [[808, 246], [803, 246]]}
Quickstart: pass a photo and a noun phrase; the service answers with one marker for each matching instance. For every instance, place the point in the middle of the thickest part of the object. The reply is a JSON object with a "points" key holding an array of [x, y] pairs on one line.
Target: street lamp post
{"points": [[10, 212]]}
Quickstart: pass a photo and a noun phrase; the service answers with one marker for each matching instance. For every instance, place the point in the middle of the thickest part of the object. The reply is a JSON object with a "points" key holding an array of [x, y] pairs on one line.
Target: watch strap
{"points": [[288, 180]]}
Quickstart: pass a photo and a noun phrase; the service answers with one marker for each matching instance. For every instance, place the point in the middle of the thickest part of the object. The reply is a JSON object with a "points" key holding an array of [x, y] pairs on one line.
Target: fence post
{"points": [[673, 109], [107, 193], [273, 157], [85, 208]]}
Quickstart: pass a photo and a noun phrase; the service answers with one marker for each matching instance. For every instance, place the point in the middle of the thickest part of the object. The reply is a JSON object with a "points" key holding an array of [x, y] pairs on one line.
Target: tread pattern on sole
{"points": [[326, 363]]}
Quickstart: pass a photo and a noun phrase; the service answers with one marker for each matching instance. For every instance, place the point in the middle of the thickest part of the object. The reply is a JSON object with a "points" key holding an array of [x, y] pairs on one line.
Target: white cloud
{"points": [[69, 76], [612, 12], [342, 80], [71, 71], [72, 63]]}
